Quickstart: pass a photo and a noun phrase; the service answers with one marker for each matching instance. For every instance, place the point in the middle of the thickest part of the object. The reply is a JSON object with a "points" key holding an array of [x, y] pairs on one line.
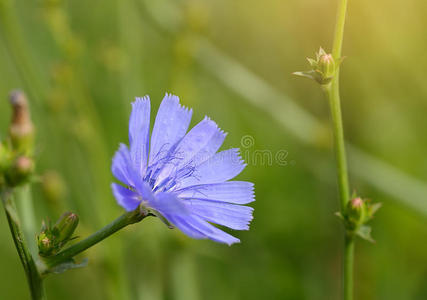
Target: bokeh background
{"points": [[81, 63]]}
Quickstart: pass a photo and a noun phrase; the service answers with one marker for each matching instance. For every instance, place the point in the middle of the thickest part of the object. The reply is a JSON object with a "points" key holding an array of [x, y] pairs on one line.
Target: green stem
{"points": [[24, 202], [119, 223], [333, 94], [34, 279], [340, 154], [348, 267], [339, 29]]}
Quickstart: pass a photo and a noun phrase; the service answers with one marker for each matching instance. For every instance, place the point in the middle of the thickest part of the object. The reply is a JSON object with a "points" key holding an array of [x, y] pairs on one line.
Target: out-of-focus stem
{"points": [[26, 209], [333, 94], [348, 267], [34, 279]]}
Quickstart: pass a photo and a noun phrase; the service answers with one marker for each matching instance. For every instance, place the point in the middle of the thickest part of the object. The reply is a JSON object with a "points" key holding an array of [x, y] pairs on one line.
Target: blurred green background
{"points": [[81, 63]]}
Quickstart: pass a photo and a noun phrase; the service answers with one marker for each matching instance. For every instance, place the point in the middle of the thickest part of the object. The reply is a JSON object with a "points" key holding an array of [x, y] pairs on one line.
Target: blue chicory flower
{"points": [[180, 175]]}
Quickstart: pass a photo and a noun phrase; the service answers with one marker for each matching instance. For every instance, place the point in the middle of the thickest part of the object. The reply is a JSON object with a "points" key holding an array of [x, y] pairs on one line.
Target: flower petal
{"points": [[233, 216], [168, 204], [200, 143], [177, 212], [171, 124], [126, 198], [198, 225], [211, 146], [139, 133], [238, 192], [223, 166], [197, 146], [187, 229], [121, 164]]}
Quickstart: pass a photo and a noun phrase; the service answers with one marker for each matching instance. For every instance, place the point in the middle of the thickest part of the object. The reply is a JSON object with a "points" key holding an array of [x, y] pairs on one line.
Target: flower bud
{"points": [[20, 171], [21, 129], [66, 225], [24, 165], [52, 239], [326, 66], [356, 215], [323, 68], [356, 211], [45, 244]]}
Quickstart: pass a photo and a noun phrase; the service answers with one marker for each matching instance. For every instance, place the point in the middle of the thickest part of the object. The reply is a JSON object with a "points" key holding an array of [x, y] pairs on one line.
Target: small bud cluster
{"points": [[16, 162], [357, 213], [53, 238], [323, 68]]}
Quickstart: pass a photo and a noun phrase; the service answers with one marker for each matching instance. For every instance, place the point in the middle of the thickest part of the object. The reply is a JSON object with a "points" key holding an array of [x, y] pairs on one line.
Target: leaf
{"points": [[364, 232], [68, 265]]}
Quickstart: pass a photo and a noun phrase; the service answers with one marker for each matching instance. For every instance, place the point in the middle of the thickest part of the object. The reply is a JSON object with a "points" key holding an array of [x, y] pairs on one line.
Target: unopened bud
{"points": [[24, 165], [323, 68], [66, 225], [356, 215], [21, 129], [20, 171], [52, 239], [356, 210], [45, 244], [326, 65]]}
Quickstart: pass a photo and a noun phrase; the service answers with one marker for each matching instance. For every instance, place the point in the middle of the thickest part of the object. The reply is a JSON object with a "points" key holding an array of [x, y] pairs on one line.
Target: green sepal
{"points": [[145, 210], [373, 208], [162, 218], [307, 74]]}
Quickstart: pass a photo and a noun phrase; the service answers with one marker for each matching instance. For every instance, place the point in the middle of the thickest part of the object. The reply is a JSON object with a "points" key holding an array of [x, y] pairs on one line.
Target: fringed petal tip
{"points": [[176, 102], [141, 100], [214, 124]]}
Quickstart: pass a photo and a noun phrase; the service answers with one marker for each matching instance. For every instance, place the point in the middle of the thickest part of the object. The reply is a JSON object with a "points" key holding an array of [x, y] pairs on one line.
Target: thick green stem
{"points": [[348, 267], [24, 202], [333, 94], [339, 29], [119, 223], [34, 279], [339, 144]]}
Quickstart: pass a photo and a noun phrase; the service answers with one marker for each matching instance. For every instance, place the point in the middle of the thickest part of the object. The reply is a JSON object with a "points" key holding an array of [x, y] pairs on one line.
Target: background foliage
{"points": [[82, 62]]}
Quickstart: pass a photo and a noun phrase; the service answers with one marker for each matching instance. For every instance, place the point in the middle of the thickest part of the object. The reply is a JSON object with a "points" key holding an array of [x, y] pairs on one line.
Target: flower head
{"points": [[323, 68], [179, 175]]}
